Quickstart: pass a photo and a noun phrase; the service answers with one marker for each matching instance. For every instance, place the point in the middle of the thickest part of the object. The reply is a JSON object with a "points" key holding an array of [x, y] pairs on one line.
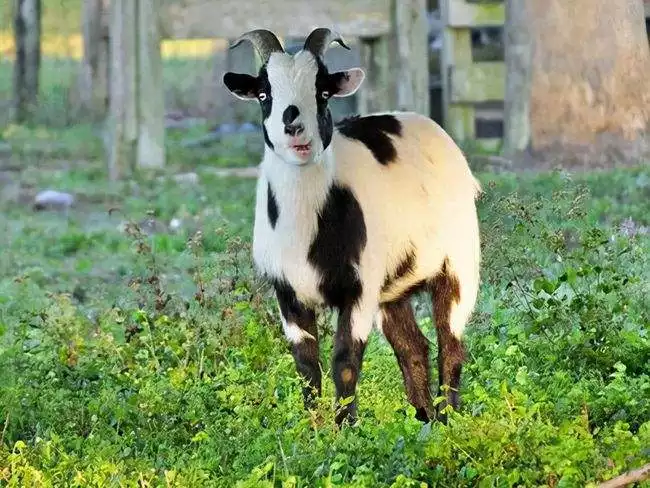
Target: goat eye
{"points": [[262, 96], [325, 94]]}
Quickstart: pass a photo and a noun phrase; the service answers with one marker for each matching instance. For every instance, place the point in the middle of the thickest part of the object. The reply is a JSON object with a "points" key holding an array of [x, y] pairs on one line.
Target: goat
{"points": [[358, 216]]}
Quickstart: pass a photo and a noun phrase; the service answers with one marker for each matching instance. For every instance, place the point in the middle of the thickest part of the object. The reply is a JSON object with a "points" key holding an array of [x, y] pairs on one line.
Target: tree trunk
{"points": [[516, 117], [412, 70], [151, 102], [95, 72], [590, 92], [27, 36], [377, 91], [123, 100], [136, 123]]}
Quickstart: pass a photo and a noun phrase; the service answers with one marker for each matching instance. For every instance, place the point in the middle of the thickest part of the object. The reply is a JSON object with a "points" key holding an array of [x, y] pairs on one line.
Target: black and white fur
{"points": [[378, 208]]}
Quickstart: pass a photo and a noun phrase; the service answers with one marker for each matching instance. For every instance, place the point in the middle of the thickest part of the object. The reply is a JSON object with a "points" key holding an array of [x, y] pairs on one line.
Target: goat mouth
{"points": [[302, 149]]}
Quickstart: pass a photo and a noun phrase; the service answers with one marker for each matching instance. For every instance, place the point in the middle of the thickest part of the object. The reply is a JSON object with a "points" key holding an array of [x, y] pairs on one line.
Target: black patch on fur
{"points": [[305, 353], [337, 246], [325, 82], [290, 114], [406, 266], [272, 206], [266, 137], [265, 86], [373, 131]]}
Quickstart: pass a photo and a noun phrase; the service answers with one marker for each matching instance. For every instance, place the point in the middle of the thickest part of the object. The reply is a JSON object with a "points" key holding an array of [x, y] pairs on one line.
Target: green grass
{"points": [[158, 360], [58, 16], [62, 130], [39, 146]]}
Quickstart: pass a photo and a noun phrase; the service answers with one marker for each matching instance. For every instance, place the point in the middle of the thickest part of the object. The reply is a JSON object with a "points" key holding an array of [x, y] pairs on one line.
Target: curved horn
{"points": [[264, 41], [320, 39]]}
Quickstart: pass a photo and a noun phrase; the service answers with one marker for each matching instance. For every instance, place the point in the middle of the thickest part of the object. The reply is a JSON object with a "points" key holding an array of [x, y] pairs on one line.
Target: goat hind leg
{"points": [[411, 348], [451, 353]]}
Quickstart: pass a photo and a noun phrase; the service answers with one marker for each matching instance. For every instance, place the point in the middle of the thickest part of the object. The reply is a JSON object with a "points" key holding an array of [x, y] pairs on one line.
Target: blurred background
{"points": [[60, 61], [138, 347]]}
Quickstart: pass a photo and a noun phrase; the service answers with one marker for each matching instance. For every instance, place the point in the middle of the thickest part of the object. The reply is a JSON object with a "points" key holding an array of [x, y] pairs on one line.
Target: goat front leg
{"points": [[354, 326], [300, 329]]}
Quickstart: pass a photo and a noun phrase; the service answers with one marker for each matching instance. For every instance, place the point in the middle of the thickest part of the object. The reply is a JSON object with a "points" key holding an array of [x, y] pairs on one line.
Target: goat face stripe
{"points": [[373, 131], [272, 206], [336, 250], [267, 104], [326, 86]]}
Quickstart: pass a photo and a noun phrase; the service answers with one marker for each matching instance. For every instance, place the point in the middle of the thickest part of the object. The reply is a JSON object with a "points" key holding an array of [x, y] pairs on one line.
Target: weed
{"points": [[183, 378]]}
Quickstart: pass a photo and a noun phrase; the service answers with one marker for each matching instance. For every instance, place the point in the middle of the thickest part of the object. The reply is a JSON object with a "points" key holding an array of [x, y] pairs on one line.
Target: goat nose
{"points": [[290, 114], [294, 129]]}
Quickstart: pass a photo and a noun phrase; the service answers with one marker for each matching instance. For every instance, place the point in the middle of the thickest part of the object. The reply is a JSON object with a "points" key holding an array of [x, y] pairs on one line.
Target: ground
{"points": [[138, 348], [139, 353]]}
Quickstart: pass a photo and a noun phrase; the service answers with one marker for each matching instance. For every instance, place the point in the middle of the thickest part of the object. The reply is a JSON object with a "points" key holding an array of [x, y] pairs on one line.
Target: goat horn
{"points": [[264, 41], [320, 39]]}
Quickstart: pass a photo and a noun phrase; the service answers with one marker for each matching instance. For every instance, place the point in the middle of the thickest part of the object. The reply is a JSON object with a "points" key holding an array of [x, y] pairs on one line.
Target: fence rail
{"points": [[473, 90], [468, 83]]}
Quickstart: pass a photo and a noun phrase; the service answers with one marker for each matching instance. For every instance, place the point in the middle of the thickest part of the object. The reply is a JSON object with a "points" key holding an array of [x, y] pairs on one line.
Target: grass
{"points": [[40, 145], [156, 359]]}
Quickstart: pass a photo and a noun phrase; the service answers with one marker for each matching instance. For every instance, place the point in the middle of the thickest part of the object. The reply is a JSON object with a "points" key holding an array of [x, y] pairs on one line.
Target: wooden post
{"points": [[456, 52], [518, 56], [27, 36], [136, 121], [150, 99], [123, 123], [466, 82], [412, 67], [377, 92], [95, 73]]}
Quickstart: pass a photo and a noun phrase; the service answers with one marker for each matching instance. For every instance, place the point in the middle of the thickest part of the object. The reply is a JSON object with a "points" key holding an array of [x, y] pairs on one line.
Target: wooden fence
{"points": [[471, 89], [392, 44]]}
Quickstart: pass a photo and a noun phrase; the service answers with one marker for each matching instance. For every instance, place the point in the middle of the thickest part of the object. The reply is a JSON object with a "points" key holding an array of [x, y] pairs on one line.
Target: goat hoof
{"points": [[346, 415], [423, 415]]}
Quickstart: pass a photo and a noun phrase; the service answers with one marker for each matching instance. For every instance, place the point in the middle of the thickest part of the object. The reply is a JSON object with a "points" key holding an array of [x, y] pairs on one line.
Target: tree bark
{"points": [[412, 73], [590, 92], [136, 122], [377, 93], [123, 123], [95, 72], [27, 36], [518, 48], [151, 103]]}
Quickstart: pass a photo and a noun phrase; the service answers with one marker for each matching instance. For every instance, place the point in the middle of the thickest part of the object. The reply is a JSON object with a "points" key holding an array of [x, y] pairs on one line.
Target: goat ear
{"points": [[241, 85], [348, 81]]}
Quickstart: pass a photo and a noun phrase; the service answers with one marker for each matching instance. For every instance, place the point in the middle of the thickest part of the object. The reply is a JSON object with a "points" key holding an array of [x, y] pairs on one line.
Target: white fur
{"points": [[293, 332], [293, 82], [424, 200]]}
